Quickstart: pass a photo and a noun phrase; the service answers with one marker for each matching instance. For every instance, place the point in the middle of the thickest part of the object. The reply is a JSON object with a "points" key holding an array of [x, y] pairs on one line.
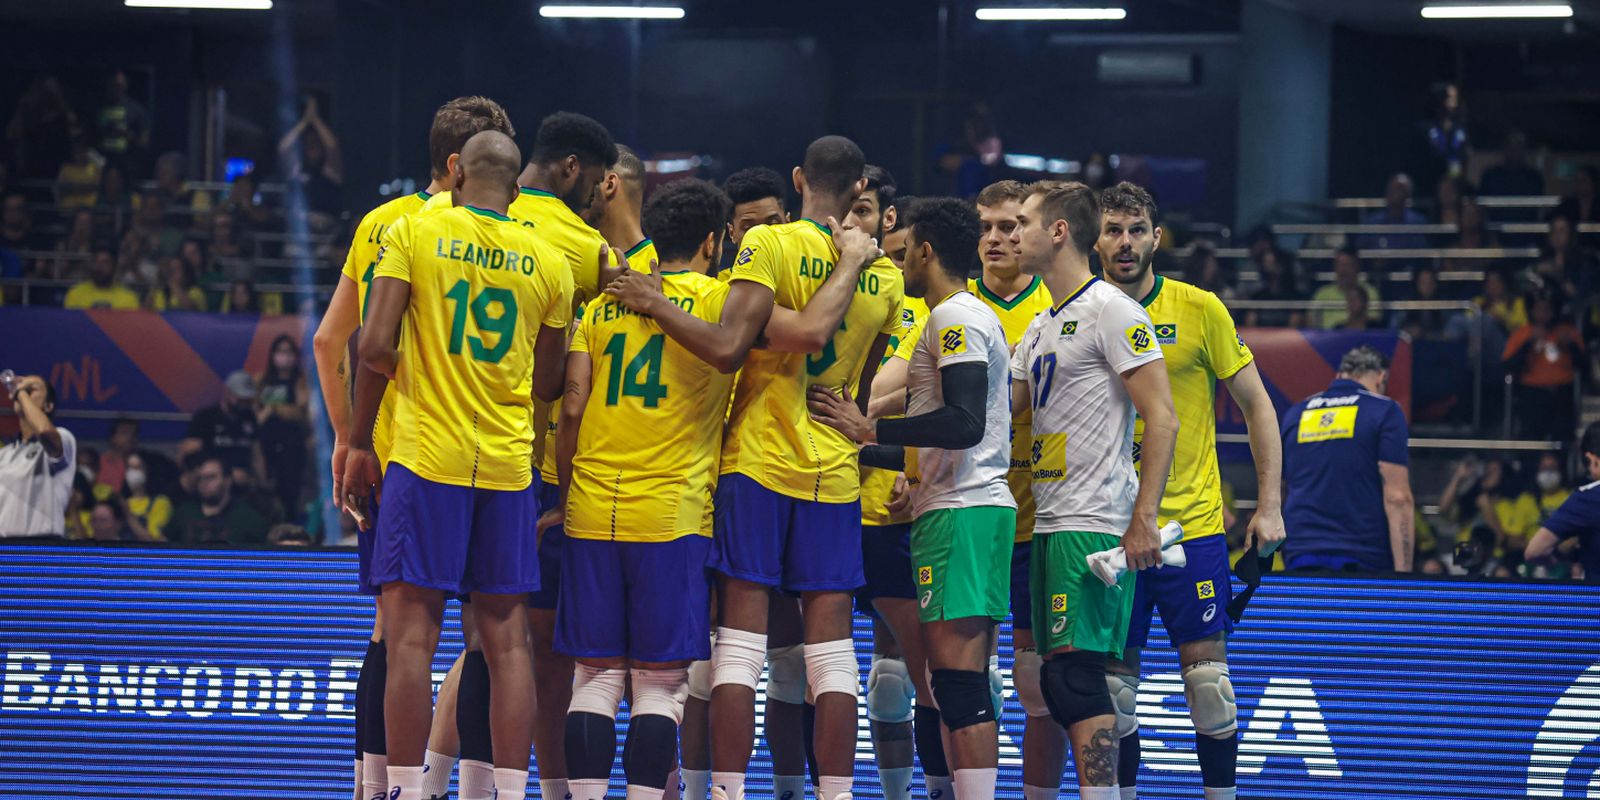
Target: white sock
{"points": [[788, 787], [375, 775], [405, 783], [829, 787], [673, 787], [477, 780], [896, 782], [1040, 792], [1212, 793], [696, 784], [731, 783], [554, 789], [510, 784], [975, 784], [436, 768], [1129, 792], [1097, 793], [940, 787], [636, 792], [587, 788], [361, 788]]}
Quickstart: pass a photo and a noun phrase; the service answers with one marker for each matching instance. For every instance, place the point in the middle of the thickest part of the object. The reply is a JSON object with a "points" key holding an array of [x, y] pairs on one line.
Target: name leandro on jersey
{"points": [[470, 252]]}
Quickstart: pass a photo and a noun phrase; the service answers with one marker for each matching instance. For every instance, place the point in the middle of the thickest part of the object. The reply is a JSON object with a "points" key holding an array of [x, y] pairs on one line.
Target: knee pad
{"points": [[786, 674], [1025, 676], [737, 658], [832, 667], [1125, 700], [997, 686], [1074, 686], [1209, 692], [700, 680], [597, 691], [963, 698], [661, 692], [889, 691]]}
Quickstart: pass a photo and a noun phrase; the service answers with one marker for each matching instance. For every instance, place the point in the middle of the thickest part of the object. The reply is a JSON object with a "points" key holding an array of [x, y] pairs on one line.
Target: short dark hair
{"points": [[1000, 191], [116, 509], [1128, 198], [565, 134], [50, 396], [1351, 251], [123, 422], [459, 120], [1363, 360], [1074, 202], [951, 227], [1590, 443], [682, 214], [753, 183], [880, 183], [833, 165], [630, 168]]}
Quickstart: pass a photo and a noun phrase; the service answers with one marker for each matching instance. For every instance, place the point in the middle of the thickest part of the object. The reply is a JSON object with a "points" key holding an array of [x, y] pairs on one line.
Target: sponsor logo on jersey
{"points": [[1321, 425], [1205, 590], [1050, 457], [924, 576], [744, 256], [1140, 339], [953, 340], [1058, 604], [927, 597], [1069, 327], [1167, 332], [1059, 625]]}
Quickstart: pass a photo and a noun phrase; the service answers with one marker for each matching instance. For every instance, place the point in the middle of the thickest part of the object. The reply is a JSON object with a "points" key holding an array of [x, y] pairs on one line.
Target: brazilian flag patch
{"points": [[1167, 332]]}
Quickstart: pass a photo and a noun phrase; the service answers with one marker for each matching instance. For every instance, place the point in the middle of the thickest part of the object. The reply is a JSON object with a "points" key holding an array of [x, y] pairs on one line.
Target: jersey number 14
{"points": [[641, 377]]}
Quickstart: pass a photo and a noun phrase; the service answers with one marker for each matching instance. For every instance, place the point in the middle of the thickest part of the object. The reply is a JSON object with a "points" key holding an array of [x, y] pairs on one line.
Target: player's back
{"points": [[771, 437], [1332, 444], [481, 287], [651, 437], [561, 228]]}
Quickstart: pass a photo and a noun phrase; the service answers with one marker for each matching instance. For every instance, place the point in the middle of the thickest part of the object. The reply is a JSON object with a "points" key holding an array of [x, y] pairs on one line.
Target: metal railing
{"points": [[1428, 228], [1487, 201]]}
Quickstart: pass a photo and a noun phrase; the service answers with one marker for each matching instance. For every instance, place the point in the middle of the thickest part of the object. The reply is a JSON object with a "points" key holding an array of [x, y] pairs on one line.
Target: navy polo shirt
{"points": [[1332, 443], [1579, 517]]}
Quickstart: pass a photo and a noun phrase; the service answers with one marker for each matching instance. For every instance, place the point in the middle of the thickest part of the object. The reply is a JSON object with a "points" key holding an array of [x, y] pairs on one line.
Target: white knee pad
{"points": [[596, 690], [890, 693], [786, 674], [737, 658], [661, 692], [1125, 700], [700, 680], [1209, 692], [1025, 677], [831, 667], [997, 686]]}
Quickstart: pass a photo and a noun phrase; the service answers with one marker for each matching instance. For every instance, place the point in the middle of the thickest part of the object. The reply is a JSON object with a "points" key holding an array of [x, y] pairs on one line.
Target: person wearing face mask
{"points": [[36, 467], [152, 510], [1578, 519], [230, 429]]}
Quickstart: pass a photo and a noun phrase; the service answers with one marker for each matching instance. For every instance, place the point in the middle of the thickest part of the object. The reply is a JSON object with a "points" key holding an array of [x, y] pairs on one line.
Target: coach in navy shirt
{"points": [[1577, 518], [1345, 467]]}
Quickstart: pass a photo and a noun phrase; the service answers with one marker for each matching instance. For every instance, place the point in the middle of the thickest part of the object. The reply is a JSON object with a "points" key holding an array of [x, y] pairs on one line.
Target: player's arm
{"points": [[1400, 508], [889, 389], [549, 362], [869, 371], [1151, 393], [723, 344], [1261, 421], [26, 404], [378, 350], [573, 402], [330, 347], [810, 329], [958, 425], [1542, 547]]}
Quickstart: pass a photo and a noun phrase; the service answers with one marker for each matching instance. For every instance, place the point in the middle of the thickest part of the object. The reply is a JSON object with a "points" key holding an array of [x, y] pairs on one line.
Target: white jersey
{"points": [[35, 488], [1073, 357], [960, 330]]}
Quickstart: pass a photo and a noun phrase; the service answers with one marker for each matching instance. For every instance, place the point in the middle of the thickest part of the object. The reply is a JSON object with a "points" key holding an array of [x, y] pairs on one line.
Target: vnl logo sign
{"points": [[1571, 727]]}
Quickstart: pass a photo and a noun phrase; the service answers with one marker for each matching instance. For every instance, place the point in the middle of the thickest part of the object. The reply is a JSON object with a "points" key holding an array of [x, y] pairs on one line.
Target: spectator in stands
{"points": [[136, 266], [176, 291], [1543, 356], [229, 430], [241, 298], [225, 245], [1514, 176], [1279, 281], [114, 195], [187, 203], [109, 521], [1357, 316], [244, 203], [315, 164], [1448, 143], [198, 261], [1472, 233], [101, 289], [1563, 263], [1578, 519], [217, 513], [284, 414], [78, 180], [1500, 303], [41, 128], [1208, 272], [79, 501], [150, 509], [1347, 275], [73, 251], [1396, 211], [1345, 470], [1441, 324], [152, 223], [18, 236], [1580, 206], [1447, 197], [1481, 495], [120, 444], [124, 125], [36, 468], [1550, 488]]}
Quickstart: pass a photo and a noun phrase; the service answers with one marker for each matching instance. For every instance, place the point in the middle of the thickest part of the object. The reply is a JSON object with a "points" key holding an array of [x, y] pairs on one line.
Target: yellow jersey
{"points": [[771, 437], [87, 295], [877, 485], [632, 487], [640, 255], [1200, 345], [482, 285], [562, 228], [359, 266], [1015, 315]]}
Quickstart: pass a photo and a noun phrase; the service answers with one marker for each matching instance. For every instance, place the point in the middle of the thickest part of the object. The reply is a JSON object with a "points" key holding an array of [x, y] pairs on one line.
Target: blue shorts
{"points": [[775, 540], [455, 539], [886, 565], [1193, 599], [1021, 594], [549, 553], [646, 601], [364, 540]]}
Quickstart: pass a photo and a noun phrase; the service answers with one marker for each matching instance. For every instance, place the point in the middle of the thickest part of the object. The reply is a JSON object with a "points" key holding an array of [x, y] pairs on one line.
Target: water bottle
{"points": [[8, 379]]}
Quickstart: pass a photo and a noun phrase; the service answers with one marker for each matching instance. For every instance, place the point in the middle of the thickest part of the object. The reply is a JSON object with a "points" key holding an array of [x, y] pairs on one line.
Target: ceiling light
{"points": [[1050, 14], [209, 5], [1558, 11], [611, 12]]}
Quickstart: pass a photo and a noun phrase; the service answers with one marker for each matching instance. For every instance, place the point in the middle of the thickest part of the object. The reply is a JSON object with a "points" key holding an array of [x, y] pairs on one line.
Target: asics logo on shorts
{"points": [[1205, 590], [394, 793], [927, 597], [1059, 626], [1211, 611]]}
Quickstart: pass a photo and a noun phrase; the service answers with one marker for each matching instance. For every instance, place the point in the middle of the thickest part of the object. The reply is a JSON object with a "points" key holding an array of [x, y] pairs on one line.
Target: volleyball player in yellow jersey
{"points": [[1200, 346], [485, 304], [454, 123], [787, 505]]}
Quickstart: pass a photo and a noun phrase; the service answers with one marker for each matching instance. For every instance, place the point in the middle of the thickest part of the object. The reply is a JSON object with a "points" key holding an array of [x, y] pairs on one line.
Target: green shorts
{"points": [[963, 562], [1071, 607]]}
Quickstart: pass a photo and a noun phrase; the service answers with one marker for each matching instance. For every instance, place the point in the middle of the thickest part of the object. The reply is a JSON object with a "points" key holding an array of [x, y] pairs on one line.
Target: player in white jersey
{"points": [[1084, 367], [957, 430]]}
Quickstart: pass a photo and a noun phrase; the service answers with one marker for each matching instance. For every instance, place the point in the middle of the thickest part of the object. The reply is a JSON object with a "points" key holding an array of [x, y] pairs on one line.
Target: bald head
{"points": [[488, 167]]}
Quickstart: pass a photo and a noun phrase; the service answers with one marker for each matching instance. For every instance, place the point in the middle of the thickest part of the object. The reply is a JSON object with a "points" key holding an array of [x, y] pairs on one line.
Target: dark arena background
{"points": [[183, 179]]}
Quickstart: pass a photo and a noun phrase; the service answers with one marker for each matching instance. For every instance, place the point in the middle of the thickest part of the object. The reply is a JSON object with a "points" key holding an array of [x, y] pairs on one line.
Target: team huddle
{"points": [[653, 482]]}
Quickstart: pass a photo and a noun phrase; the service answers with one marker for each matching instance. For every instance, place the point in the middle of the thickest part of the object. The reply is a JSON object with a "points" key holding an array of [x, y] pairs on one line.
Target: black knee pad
{"points": [[963, 697], [1074, 686], [930, 747], [591, 742], [651, 750], [373, 738], [472, 710]]}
